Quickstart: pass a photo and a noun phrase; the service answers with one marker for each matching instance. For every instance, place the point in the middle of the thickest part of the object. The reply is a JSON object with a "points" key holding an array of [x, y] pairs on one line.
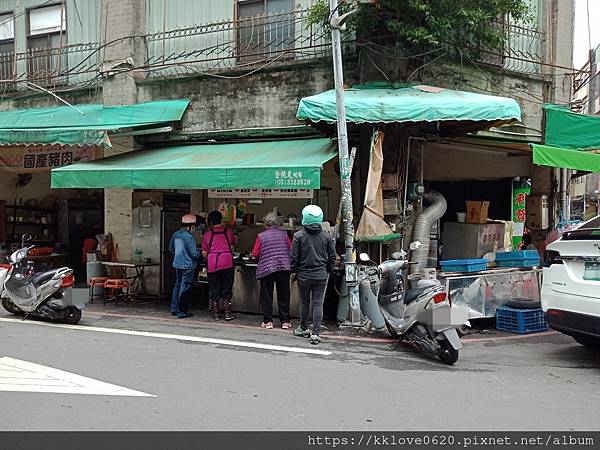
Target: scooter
{"points": [[45, 295], [423, 316]]}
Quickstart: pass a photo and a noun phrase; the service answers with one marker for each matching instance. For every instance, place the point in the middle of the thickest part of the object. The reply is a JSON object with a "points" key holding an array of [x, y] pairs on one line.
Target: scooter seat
{"points": [[42, 277], [412, 294]]}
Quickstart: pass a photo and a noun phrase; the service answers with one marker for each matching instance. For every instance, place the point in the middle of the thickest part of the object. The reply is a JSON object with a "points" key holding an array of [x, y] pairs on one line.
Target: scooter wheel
{"points": [[448, 354], [11, 307], [74, 317]]}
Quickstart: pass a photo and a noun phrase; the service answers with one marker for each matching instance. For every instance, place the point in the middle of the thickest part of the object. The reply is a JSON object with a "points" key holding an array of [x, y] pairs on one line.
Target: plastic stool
{"points": [[116, 287], [93, 282]]}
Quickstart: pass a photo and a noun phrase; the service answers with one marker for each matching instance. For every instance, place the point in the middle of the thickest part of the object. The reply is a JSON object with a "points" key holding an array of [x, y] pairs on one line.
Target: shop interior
{"points": [[56, 220], [156, 215]]}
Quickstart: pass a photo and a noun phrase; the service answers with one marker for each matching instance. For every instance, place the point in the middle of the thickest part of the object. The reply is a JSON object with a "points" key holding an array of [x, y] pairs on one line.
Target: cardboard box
{"points": [[477, 212]]}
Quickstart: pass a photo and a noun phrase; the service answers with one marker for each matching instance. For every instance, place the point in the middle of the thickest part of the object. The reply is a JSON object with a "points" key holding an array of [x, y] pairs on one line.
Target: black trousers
{"points": [[220, 284], [311, 290], [281, 281]]}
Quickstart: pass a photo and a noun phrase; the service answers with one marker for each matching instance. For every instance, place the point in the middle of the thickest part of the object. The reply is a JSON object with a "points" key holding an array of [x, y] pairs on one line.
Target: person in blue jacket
{"points": [[183, 246]]}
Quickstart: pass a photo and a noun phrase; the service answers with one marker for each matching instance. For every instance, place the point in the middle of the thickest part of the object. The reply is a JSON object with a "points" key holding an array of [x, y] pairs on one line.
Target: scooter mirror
{"points": [[415, 245], [398, 255], [364, 257]]}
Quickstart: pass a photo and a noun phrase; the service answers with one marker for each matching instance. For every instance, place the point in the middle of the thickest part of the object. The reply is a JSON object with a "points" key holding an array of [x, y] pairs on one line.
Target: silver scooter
{"points": [[422, 317], [45, 295]]}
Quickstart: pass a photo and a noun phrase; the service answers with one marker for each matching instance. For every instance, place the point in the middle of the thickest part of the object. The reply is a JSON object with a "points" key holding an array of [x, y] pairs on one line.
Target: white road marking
{"points": [[178, 337], [23, 376]]}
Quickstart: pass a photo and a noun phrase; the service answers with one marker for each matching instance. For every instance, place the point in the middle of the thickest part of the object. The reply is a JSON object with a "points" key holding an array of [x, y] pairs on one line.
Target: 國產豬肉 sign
{"points": [[43, 158]]}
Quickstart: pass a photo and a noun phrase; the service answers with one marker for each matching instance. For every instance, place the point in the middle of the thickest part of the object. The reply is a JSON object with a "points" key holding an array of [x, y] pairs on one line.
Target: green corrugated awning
{"points": [[66, 126], [383, 102], [567, 129], [293, 164], [545, 155]]}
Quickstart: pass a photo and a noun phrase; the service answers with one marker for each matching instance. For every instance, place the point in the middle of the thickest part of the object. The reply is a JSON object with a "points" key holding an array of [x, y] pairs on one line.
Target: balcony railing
{"points": [[523, 49], [247, 42], [71, 65]]}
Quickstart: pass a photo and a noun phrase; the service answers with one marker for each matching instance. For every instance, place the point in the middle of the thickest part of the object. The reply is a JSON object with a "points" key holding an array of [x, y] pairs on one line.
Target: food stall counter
{"points": [[480, 293]]}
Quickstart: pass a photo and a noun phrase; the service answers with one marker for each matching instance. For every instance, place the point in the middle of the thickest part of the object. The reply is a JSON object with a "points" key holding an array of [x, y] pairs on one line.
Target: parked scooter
{"points": [[422, 317], [46, 295]]}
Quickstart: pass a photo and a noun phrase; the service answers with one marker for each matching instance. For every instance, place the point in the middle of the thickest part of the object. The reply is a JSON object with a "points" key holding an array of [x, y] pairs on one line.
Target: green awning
{"points": [[567, 129], [66, 126], [293, 164], [545, 155], [384, 102]]}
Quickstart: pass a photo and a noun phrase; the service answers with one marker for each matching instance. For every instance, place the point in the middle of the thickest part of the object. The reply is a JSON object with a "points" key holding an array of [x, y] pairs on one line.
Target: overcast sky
{"points": [[581, 48]]}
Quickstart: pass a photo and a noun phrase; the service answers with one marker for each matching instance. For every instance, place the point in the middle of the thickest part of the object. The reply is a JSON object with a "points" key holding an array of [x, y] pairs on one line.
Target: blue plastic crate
{"points": [[463, 265], [516, 263], [520, 321], [523, 254]]}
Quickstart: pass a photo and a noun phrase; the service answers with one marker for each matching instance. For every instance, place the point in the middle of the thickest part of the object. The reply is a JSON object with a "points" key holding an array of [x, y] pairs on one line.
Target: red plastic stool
{"points": [[92, 283], [119, 289]]}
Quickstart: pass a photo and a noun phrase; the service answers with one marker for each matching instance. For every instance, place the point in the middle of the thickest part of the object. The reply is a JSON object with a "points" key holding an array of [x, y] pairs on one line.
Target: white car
{"points": [[571, 283]]}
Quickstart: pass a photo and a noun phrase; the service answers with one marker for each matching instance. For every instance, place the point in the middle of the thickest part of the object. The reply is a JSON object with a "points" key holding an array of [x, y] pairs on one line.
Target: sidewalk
{"points": [[159, 312]]}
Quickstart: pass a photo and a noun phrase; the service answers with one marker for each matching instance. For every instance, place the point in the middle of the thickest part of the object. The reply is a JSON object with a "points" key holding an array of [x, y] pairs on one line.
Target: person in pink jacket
{"points": [[217, 245]]}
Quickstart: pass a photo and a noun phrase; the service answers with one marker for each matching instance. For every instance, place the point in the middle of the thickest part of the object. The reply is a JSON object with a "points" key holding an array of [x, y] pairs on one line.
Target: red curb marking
{"points": [[332, 336], [510, 338]]}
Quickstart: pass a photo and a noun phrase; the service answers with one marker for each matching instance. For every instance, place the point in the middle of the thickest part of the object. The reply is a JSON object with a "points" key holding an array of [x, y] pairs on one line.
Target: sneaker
{"points": [[183, 315], [267, 325], [286, 325], [315, 339], [173, 313], [300, 332]]}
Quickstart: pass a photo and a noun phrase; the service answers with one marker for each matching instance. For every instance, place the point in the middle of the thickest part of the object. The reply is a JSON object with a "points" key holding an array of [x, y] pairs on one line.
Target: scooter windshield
{"points": [[20, 288]]}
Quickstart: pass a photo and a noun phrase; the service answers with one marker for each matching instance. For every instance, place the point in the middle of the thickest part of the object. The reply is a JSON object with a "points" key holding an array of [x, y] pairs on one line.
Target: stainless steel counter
{"points": [[246, 292], [481, 293]]}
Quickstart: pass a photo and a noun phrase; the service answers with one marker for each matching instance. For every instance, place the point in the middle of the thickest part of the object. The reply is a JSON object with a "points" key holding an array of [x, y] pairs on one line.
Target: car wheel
{"points": [[524, 304], [588, 341]]}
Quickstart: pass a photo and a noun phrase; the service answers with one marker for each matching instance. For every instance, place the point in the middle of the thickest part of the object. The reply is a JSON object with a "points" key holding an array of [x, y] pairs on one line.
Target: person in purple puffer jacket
{"points": [[272, 249]]}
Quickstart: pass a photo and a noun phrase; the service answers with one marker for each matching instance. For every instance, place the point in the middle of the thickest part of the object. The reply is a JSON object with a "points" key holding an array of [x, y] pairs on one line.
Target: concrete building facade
{"points": [[245, 65]]}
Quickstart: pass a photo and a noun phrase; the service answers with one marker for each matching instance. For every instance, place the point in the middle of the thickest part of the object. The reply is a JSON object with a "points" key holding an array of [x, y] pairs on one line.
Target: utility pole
{"points": [[337, 23]]}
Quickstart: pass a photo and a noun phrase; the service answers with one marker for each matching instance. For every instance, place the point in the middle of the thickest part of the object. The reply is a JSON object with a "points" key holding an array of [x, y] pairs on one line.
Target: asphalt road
{"points": [[541, 382]]}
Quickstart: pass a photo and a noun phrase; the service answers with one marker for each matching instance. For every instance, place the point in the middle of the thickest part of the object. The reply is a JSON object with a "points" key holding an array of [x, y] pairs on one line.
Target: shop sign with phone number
{"points": [[291, 178]]}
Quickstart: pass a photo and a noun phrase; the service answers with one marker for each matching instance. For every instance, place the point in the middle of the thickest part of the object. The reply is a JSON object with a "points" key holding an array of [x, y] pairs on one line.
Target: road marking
{"points": [[23, 376], [178, 337]]}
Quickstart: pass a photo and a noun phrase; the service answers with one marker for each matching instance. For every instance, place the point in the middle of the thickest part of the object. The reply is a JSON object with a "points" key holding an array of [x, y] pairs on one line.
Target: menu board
{"points": [[260, 193]]}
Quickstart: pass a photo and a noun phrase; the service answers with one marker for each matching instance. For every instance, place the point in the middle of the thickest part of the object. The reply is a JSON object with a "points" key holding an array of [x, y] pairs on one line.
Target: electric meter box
{"points": [[538, 214], [415, 191]]}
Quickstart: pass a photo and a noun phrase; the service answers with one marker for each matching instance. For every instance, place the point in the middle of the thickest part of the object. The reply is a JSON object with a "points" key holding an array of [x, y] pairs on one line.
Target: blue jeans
{"points": [[183, 283]]}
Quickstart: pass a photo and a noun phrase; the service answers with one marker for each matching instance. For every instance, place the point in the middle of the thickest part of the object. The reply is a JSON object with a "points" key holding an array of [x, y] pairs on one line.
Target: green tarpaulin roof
{"points": [[66, 126], [565, 128], [545, 155], [384, 102], [293, 164]]}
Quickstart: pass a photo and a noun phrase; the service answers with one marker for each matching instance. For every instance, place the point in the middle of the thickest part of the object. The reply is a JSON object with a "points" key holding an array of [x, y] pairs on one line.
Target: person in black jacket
{"points": [[313, 258]]}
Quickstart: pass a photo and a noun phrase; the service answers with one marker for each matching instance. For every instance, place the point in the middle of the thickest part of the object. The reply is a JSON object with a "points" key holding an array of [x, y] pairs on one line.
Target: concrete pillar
{"points": [[121, 20]]}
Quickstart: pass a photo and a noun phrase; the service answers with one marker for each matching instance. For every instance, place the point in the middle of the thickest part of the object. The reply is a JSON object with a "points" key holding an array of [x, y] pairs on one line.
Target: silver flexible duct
{"points": [[436, 209]]}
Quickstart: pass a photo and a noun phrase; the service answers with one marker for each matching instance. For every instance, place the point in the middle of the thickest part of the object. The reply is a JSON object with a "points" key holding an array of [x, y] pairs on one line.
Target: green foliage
{"points": [[423, 24]]}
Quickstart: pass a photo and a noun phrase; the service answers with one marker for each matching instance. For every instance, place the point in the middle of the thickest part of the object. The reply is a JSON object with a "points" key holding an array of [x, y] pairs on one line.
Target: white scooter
{"points": [[46, 295], [422, 317]]}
